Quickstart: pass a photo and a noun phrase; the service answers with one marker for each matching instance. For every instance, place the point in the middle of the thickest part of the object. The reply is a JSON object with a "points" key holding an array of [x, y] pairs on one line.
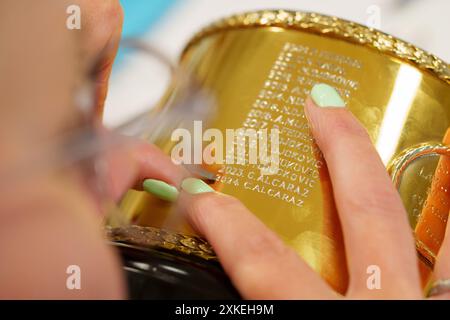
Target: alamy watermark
{"points": [[238, 146], [73, 21], [374, 16], [374, 279], [73, 281]]}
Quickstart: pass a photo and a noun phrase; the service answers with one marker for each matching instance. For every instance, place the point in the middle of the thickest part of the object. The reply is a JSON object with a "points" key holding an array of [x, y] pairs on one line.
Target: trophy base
{"points": [[166, 274]]}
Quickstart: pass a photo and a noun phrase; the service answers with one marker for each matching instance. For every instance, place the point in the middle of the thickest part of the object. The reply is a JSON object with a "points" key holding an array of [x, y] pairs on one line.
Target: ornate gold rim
{"points": [[333, 27], [149, 237]]}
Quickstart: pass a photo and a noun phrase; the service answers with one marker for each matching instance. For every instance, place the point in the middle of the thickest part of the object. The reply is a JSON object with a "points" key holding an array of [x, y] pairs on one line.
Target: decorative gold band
{"points": [[164, 239], [332, 27], [425, 254]]}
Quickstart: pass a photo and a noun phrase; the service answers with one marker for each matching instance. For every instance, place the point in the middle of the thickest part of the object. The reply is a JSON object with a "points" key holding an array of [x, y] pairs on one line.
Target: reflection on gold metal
{"points": [[405, 87], [427, 256], [260, 67]]}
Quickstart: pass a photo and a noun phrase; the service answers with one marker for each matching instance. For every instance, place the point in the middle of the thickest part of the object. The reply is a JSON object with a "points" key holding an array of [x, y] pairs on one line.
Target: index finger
{"points": [[130, 165], [374, 221], [258, 262]]}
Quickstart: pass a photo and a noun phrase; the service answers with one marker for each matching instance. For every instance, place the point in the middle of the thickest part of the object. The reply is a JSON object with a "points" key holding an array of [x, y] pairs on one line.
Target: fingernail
{"points": [[194, 186], [160, 189], [326, 96]]}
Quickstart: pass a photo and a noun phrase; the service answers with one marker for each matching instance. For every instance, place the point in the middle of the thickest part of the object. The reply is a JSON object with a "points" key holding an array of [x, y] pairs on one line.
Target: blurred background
{"points": [[137, 82]]}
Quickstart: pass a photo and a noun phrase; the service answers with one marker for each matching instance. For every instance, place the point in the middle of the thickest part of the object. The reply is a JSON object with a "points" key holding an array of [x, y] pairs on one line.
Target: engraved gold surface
{"points": [[260, 68]]}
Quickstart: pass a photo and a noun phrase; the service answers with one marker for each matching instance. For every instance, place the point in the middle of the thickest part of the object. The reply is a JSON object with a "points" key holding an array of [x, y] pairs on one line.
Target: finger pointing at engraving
{"points": [[258, 262], [374, 221]]}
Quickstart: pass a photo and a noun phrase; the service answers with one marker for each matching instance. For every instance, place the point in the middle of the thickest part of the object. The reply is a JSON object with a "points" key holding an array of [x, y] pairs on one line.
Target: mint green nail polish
{"points": [[326, 96], [160, 189], [194, 186]]}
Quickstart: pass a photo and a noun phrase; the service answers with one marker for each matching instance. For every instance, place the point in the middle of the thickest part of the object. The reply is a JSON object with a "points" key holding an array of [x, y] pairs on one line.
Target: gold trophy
{"points": [[260, 67]]}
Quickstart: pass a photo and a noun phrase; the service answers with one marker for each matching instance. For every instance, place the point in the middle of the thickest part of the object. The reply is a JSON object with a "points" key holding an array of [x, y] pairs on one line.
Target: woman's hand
{"points": [[374, 222], [58, 213]]}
